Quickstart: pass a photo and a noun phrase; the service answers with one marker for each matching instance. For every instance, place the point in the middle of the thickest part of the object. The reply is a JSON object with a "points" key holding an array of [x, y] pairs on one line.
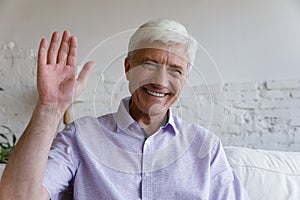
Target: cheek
{"points": [[178, 84], [135, 78], [133, 86]]}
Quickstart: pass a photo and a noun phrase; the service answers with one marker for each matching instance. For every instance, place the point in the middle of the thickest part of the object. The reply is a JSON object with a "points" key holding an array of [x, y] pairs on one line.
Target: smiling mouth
{"points": [[156, 94]]}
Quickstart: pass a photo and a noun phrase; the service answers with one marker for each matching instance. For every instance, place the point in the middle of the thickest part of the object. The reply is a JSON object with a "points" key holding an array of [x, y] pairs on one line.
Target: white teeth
{"points": [[155, 93]]}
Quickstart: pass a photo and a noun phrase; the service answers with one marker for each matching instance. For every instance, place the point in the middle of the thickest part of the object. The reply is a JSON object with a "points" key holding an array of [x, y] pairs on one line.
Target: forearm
{"points": [[26, 167]]}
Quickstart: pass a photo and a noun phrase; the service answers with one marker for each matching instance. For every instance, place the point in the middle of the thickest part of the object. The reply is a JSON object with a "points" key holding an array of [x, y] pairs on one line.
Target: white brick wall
{"points": [[17, 78], [267, 117], [261, 114]]}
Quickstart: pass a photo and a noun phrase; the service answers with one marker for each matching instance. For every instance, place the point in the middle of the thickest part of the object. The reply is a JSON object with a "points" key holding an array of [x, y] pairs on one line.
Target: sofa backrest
{"points": [[267, 174]]}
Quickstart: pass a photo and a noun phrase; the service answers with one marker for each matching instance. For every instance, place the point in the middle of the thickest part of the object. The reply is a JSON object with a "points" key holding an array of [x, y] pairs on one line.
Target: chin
{"points": [[157, 109]]}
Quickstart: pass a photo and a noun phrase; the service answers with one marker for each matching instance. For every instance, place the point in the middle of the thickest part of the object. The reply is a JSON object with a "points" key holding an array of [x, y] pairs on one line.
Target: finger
{"points": [[52, 51], [42, 53], [84, 75], [64, 47], [85, 72], [83, 78], [72, 56]]}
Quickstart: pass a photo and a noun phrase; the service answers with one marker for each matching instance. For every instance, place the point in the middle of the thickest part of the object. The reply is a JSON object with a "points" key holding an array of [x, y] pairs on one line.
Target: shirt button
{"points": [[148, 142]]}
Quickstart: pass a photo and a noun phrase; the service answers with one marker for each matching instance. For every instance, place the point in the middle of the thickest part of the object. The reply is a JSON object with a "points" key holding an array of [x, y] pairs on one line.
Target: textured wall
{"points": [[17, 78], [262, 114]]}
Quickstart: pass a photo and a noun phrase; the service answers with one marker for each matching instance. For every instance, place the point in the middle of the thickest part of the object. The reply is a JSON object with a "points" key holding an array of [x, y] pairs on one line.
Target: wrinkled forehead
{"points": [[175, 50]]}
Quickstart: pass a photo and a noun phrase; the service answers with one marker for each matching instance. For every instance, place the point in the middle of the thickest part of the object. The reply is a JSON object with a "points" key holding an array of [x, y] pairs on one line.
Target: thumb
{"points": [[83, 77], [85, 72]]}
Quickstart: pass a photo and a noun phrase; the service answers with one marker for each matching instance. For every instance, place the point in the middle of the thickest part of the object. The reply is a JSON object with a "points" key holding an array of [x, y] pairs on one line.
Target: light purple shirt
{"points": [[111, 157]]}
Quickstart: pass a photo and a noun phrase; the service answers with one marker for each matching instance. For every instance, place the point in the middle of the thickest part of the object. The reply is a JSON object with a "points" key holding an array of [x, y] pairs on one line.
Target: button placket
{"points": [[147, 169]]}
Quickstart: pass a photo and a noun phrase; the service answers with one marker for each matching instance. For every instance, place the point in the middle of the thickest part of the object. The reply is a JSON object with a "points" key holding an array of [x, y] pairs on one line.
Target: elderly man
{"points": [[142, 151]]}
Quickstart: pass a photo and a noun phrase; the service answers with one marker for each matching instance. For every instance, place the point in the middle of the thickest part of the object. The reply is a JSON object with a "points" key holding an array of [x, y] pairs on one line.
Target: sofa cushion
{"points": [[267, 174]]}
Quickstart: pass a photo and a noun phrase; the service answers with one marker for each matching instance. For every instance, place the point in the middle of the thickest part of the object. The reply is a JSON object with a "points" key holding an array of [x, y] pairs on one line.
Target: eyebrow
{"points": [[149, 59]]}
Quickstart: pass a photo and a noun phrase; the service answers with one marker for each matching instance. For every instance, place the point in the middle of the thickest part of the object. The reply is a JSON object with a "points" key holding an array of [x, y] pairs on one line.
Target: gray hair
{"points": [[167, 31]]}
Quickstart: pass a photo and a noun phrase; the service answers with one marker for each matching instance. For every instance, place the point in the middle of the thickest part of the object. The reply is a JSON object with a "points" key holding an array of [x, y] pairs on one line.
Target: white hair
{"points": [[166, 31]]}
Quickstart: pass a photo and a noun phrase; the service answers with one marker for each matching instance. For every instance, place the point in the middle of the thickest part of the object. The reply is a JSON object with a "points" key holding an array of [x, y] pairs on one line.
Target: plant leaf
{"points": [[5, 145], [9, 129], [14, 140], [4, 137]]}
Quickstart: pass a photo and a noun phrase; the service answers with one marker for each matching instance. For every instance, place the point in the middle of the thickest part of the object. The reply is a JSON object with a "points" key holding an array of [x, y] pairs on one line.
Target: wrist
{"points": [[50, 111], [52, 107], [45, 120]]}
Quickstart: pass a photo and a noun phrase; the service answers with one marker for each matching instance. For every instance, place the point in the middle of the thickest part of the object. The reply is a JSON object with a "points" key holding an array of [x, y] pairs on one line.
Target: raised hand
{"points": [[57, 85]]}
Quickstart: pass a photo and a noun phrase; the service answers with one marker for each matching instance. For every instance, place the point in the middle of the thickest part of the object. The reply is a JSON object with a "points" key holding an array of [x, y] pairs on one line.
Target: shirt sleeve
{"points": [[224, 182], [61, 167]]}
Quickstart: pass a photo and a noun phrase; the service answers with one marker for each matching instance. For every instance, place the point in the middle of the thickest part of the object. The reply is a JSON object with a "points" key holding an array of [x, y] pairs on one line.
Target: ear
{"points": [[126, 67], [126, 64]]}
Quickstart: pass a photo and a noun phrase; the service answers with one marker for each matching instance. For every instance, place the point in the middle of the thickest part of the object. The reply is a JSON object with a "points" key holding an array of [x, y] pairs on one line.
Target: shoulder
{"points": [[90, 121], [84, 124]]}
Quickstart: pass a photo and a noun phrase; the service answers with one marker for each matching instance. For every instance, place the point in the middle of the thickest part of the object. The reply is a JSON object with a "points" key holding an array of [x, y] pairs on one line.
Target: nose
{"points": [[161, 77]]}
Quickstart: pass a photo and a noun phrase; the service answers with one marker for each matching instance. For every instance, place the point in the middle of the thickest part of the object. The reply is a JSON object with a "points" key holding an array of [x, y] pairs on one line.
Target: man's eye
{"points": [[150, 65], [176, 71]]}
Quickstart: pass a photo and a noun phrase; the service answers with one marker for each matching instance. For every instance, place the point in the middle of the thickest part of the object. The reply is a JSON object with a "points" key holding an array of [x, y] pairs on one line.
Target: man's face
{"points": [[156, 77]]}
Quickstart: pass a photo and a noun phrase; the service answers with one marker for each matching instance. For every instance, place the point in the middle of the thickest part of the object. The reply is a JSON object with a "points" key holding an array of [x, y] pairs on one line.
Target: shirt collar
{"points": [[124, 120], [171, 122], [122, 116]]}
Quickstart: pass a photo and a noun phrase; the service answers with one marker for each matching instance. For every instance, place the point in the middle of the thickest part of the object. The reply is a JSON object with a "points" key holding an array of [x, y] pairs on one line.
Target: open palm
{"points": [[57, 85]]}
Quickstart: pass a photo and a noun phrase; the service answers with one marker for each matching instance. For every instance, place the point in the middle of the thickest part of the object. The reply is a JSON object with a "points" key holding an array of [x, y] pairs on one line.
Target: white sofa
{"points": [[267, 175]]}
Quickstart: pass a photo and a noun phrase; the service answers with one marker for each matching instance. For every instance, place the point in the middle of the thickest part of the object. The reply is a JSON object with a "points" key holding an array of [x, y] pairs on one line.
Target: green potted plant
{"points": [[7, 143]]}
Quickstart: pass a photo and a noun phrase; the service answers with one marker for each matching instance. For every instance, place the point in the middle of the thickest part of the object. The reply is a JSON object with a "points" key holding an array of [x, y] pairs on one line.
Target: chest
{"points": [[184, 178]]}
